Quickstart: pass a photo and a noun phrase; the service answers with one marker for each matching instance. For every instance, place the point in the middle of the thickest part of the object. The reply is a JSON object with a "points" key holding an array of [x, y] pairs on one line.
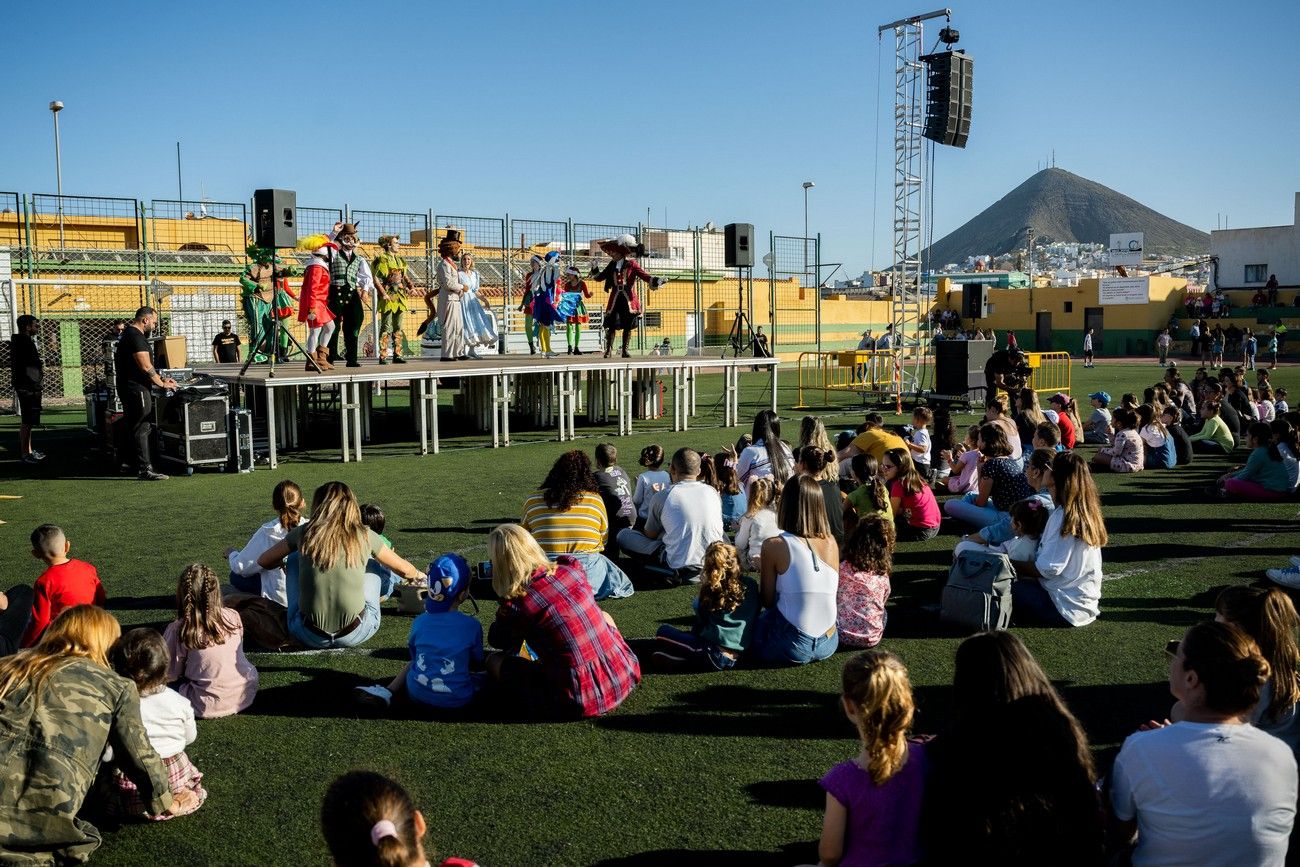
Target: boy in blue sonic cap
{"points": [[444, 644], [1097, 428]]}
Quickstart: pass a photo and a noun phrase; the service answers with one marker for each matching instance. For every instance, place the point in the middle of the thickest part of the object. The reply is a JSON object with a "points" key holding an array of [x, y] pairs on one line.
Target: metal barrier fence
{"points": [[80, 263], [1051, 372]]}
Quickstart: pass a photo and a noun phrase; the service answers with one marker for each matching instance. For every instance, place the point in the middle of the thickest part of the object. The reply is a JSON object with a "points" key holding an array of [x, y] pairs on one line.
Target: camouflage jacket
{"points": [[49, 755]]}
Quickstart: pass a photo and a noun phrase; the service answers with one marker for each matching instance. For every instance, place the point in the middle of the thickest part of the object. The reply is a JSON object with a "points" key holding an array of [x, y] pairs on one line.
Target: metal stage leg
{"points": [[422, 390], [343, 421], [356, 419], [774, 369], [270, 425], [624, 400], [433, 403], [496, 410], [505, 409], [691, 374]]}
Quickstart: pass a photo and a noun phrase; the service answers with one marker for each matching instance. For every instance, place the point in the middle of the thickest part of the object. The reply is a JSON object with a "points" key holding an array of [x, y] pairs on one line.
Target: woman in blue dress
{"points": [[545, 297], [480, 327]]}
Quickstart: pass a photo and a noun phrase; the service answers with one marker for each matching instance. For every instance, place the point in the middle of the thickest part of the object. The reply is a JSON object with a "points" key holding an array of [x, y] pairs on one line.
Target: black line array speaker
{"points": [[275, 218], [739, 240], [974, 301], [948, 91], [959, 366]]}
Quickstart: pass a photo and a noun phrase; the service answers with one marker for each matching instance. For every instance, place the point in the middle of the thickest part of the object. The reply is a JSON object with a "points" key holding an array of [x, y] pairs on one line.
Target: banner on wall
{"points": [[1126, 249], [1123, 290]]}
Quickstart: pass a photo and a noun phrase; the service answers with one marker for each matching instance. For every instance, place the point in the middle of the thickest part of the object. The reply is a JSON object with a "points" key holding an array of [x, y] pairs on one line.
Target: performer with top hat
{"points": [[350, 283], [622, 308], [394, 286], [313, 300], [451, 315], [572, 307]]}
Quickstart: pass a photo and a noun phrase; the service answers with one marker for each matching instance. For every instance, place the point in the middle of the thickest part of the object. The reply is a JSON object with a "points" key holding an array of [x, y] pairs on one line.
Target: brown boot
{"points": [[323, 358]]}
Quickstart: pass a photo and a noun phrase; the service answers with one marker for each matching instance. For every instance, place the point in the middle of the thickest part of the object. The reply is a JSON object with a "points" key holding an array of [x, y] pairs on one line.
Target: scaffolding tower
{"points": [[907, 302]]}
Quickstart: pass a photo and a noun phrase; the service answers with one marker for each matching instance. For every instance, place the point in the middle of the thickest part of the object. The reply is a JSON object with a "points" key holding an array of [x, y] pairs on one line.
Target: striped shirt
{"points": [[580, 530]]}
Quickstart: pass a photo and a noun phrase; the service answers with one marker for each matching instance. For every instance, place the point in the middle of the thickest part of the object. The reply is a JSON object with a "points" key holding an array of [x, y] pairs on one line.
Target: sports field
{"points": [[717, 769]]}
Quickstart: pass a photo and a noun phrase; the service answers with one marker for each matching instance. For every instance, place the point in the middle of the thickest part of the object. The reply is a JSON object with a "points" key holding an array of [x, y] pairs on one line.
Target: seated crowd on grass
{"points": [[791, 545]]}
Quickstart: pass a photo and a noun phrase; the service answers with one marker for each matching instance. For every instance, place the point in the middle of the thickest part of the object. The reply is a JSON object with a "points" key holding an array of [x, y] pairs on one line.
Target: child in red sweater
{"points": [[64, 583]]}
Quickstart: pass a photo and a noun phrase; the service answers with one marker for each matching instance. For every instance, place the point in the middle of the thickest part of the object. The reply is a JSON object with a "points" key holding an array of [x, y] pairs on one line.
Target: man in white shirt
{"points": [[684, 520], [886, 340]]}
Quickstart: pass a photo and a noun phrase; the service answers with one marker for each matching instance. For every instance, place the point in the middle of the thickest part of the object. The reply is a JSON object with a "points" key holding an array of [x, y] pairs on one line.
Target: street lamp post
{"points": [[55, 108], [807, 185]]}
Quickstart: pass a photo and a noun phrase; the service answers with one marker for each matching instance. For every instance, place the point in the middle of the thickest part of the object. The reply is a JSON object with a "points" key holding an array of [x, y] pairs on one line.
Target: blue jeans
{"points": [[246, 583], [966, 510], [778, 641], [387, 580], [297, 620], [606, 579], [1031, 606], [701, 655]]}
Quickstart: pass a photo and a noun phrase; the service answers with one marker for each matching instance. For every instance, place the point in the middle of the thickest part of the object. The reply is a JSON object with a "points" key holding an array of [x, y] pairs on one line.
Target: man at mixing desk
{"points": [[136, 378]]}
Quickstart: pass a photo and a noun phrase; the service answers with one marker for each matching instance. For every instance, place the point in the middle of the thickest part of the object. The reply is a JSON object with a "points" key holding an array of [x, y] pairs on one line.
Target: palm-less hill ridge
{"points": [[1061, 206]]}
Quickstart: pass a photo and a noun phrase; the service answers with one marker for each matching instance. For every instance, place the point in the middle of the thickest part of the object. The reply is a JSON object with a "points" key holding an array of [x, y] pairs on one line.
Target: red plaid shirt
{"points": [[585, 658]]}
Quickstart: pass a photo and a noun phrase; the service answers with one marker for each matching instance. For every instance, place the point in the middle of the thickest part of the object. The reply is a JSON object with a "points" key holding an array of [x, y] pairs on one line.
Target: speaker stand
{"points": [[741, 334]]}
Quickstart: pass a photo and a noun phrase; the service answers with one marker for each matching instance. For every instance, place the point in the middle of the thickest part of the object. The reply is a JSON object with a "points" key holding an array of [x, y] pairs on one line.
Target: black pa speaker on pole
{"points": [[974, 301], [739, 240], [275, 218], [949, 86]]}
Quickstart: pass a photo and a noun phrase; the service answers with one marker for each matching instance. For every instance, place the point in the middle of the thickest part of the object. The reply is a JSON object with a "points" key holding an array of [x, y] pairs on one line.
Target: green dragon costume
{"points": [[261, 302]]}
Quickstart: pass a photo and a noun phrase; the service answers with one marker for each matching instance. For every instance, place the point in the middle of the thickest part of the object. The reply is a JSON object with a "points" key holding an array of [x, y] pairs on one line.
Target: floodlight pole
{"points": [[55, 107]]}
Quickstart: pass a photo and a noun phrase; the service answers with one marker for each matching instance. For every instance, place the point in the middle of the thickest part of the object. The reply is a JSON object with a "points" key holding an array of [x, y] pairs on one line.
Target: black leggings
{"points": [[13, 620], [1208, 447]]}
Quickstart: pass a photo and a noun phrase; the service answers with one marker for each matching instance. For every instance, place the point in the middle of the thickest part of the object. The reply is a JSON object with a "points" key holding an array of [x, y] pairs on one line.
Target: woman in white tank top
{"points": [[798, 581]]}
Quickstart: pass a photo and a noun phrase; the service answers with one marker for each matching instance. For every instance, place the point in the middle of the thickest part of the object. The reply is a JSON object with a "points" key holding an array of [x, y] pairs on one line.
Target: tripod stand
{"points": [[272, 334], [741, 336]]}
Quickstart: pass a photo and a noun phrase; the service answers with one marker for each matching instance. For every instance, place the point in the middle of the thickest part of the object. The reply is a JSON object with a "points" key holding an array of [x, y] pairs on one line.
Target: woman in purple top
{"points": [[873, 801]]}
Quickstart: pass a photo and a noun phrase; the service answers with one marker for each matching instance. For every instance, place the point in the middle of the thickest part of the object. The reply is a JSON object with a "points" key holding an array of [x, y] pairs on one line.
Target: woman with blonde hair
{"points": [[583, 667], [1061, 586], [797, 581], [812, 432], [333, 601], [60, 706], [1268, 616]]}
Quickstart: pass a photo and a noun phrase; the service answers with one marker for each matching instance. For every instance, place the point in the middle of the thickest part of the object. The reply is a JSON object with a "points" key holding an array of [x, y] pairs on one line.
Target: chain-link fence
{"points": [[81, 263]]}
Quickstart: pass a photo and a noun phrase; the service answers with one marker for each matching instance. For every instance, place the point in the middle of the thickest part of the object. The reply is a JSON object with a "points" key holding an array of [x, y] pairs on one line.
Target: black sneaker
{"points": [[151, 476], [397, 359]]}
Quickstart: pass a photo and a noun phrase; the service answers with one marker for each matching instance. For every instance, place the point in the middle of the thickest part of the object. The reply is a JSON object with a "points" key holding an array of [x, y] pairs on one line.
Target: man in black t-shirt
{"points": [[136, 378], [28, 371], [225, 346]]}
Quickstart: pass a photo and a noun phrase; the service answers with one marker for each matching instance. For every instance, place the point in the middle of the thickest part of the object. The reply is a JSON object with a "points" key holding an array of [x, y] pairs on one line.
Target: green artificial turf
{"points": [[717, 769]]}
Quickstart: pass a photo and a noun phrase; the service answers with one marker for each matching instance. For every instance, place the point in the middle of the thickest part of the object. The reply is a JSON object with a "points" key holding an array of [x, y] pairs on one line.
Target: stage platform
{"points": [[551, 390]]}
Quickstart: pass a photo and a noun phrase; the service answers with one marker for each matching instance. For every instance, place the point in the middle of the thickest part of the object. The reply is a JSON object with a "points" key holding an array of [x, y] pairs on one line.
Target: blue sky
{"points": [[710, 110]]}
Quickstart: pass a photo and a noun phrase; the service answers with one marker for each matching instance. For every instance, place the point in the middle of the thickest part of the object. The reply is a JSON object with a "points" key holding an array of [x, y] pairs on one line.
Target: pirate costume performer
{"points": [[480, 328], [451, 315], [526, 302], [394, 285], [546, 294], [263, 303], [350, 282], [313, 300], [572, 308], [623, 308]]}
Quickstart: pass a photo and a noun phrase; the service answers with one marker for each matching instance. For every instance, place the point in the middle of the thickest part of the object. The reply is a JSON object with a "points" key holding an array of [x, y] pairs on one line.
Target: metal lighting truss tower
{"points": [[907, 305]]}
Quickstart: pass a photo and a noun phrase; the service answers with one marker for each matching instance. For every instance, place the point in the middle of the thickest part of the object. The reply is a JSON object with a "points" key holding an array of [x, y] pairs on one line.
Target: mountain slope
{"points": [[1061, 206]]}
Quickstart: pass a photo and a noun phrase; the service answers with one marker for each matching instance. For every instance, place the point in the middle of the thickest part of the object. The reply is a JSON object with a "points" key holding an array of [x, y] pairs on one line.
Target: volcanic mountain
{"points": [[1062, 206]]}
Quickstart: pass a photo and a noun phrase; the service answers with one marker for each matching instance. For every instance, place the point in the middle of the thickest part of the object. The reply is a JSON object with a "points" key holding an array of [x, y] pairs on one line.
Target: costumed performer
{"points": [[572, 307], [526, 302], [394, 284], [545, 297], [350, 283], [480, 328], [262, 302], [451, 314], [313, 300], [623, 308]]}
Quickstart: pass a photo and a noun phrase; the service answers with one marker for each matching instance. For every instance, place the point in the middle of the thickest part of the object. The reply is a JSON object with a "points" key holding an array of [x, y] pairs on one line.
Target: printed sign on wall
{"points": [[1123, 290]]}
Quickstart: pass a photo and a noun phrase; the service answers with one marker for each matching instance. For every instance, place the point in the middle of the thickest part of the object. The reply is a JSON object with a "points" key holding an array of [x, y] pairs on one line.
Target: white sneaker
{"points": [[1288, 577], [374, 696]]}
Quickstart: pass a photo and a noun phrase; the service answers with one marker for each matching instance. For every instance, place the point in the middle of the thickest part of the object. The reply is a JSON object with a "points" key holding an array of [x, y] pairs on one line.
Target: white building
{"points": [[1248, 256]]}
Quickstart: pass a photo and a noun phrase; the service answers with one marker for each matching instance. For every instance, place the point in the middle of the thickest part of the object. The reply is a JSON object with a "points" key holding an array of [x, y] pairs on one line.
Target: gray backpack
{"points": [[978, 593]]}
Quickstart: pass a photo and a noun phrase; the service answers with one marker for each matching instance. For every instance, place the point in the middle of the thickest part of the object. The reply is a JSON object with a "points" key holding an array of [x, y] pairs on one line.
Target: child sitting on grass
{"points": [[865, 565], [1125, 453], [870, 496], [64, 583], [445, 645], [206, 646], [734, 502], [1028, 520], [141, 656], [725, 612], [650, 482], [942, 446], [370, 821], [1047, 435], [966, 471], [374, 518], [758, 523], [919, 441], [1158, 447], [873, 802], [1265, 476]]}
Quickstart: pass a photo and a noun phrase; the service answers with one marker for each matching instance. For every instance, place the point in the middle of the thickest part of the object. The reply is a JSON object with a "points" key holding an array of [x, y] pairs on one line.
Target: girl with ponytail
{"points": [[370, 821], [724, 617], [873, 802], [245, 574], [206, 646]]}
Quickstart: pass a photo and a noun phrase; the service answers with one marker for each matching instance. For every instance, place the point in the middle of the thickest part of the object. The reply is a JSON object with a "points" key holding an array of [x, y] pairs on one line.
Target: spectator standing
{"points": [[225, 346], [28, 373], [1163, 342], [1087, 349]]}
